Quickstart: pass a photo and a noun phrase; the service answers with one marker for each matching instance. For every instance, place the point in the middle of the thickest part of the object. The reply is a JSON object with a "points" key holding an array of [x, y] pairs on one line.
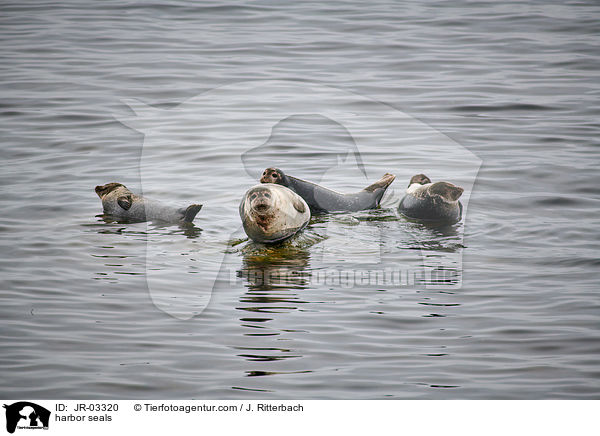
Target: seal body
{"points": [[119, 202], [321, 199], [271, 213], [431, 201]]}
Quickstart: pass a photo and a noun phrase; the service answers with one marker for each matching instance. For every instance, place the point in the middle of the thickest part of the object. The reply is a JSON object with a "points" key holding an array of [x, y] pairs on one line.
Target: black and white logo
{"points": [[26, 415]]}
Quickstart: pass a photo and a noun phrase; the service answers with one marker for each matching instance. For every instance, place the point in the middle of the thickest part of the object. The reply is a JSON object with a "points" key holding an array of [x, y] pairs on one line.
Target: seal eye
{"points": [[267, 195], [274, 175], [253, 196]]}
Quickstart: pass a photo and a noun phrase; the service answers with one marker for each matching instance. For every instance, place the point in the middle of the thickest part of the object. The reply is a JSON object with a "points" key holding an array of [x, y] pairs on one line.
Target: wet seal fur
{"points": [[119, 202], [271, 213], [321, 199], [431, 201]]}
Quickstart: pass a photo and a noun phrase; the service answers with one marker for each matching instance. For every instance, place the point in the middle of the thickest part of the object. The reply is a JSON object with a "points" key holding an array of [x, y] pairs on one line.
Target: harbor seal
{"points": [[431, 201], [271, 213], [321, 199], [119, 202]]}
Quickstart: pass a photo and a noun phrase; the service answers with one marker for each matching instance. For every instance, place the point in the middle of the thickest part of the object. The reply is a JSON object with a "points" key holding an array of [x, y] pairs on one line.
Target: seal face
{"points": [[119, 202], [429, 201], [271, 213], [321, 199], [274, 175], [102, 190]]}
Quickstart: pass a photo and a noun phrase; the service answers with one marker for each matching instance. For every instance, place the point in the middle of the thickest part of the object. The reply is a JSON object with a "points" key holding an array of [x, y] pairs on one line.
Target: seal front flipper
{"points": [[299, 205], [125, 201], [190, 213]]}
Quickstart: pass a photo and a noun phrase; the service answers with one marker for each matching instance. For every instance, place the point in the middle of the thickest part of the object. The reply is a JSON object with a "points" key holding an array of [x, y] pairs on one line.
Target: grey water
{"points": [[190, 101]]}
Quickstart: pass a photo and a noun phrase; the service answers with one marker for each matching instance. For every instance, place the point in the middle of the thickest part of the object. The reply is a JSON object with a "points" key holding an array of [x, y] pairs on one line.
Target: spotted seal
{"points": [[271, 213], [431, 201], [119, 202], [321, 199]]}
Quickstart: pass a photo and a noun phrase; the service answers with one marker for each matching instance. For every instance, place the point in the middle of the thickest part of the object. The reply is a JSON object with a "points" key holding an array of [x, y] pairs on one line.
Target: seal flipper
{"points": [[190, 213], [447, 191], [299, 206], [125, 201], [384, 182]]}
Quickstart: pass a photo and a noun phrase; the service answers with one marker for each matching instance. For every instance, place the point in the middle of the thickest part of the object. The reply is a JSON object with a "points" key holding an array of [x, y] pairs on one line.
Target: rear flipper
{"points": [[382, 183], [447, 191], [190, 213]]}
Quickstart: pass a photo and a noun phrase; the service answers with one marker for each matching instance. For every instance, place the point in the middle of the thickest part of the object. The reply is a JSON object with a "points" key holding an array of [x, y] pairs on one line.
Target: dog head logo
{"points": [[25, 414]]}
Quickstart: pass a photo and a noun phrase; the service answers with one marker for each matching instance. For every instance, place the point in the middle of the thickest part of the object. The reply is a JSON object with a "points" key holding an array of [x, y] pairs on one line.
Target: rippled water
{"points": [[95, 308]]}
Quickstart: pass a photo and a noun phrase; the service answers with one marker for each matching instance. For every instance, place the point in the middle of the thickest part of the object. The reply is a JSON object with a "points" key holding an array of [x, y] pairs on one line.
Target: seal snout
{"points": [[261, 207]]}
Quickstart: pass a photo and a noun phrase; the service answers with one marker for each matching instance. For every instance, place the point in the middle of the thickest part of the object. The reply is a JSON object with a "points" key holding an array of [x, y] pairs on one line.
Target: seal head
{"points": [[272, 213], [420, 179], [274, 175], [102, 190]]}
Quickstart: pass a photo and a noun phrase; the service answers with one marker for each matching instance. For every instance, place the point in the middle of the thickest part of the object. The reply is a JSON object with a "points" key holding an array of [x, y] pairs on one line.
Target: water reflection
{"points": [[109, 219], [274, 277], [273, 274], [263, 373], [433, 236], [266, 354], [190, 230], [171, 258], [440, 251]]}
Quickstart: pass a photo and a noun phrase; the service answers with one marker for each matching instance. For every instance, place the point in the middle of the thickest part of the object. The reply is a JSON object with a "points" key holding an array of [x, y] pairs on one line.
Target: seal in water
{"points": [[271, 213], [321, 199], [119, 202], [431, 201]]}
